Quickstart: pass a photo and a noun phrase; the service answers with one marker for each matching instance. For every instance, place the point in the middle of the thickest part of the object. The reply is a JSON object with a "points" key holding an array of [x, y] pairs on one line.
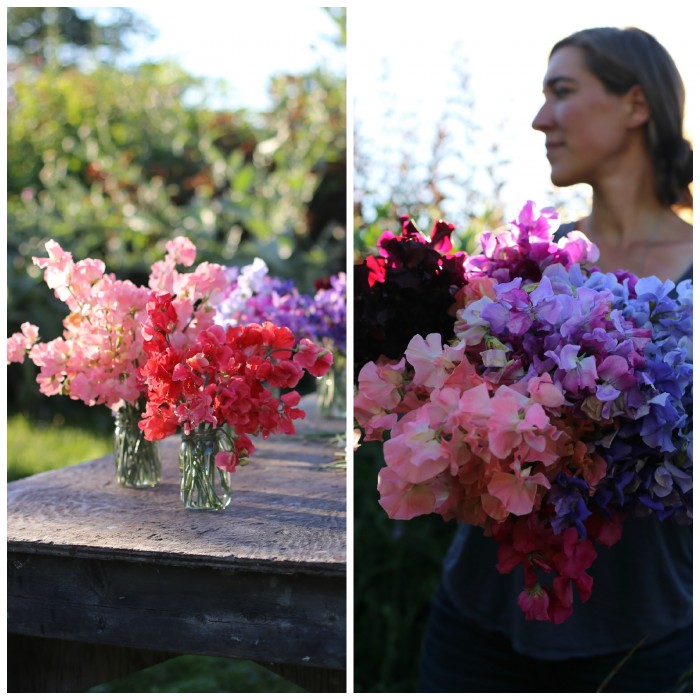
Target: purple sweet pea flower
{"points": [[579, 372], [567, 497], [617, 377], [496, 315]]}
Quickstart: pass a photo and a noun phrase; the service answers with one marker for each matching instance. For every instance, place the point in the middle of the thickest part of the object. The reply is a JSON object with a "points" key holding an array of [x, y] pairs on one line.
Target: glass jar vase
{"points": [[137, 460], [330, 390], [203, 485]]}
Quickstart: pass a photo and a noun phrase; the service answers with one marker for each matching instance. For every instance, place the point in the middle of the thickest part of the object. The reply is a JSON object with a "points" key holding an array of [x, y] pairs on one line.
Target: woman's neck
{"points": [[638, 234], [625, 209]]}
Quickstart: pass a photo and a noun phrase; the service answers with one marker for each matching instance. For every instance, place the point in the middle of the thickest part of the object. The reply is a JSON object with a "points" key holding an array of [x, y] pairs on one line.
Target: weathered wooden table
{"points": [[104, 580]]}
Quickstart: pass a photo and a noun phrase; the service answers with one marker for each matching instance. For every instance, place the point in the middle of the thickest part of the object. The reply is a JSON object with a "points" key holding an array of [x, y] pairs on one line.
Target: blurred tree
{"points": [[393, 177], [112, 163], [339, 16], [63, 34]]}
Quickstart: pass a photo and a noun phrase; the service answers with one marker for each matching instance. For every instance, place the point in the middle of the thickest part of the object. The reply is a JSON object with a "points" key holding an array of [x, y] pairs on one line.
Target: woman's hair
{"points": [[622, 58]]}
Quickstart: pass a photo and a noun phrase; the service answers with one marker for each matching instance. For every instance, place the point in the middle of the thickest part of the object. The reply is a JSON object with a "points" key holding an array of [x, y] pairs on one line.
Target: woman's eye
{"points": [[561, 92]]}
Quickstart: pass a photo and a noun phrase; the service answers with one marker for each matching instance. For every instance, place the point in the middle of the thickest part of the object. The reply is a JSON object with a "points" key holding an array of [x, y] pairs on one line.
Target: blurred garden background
{"points": [[442, 109], [112, 155]]}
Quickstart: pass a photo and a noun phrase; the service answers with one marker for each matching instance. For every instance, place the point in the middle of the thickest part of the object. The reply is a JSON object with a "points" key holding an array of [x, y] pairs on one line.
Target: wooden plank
{"points": [[287, 513], [289, 619]]}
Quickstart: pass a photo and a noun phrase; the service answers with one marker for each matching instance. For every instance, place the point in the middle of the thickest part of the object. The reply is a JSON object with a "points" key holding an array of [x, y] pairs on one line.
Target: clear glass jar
{"points": [[330, 390], [203, 485], [137, 460]]}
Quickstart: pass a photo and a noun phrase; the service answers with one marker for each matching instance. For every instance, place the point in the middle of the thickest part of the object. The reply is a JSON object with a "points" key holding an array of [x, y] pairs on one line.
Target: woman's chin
{"points": [[562, 178]]}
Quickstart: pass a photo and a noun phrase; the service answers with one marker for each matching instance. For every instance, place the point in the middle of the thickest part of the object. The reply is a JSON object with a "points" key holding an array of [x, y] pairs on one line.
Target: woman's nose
{"points": [[543, 119]]}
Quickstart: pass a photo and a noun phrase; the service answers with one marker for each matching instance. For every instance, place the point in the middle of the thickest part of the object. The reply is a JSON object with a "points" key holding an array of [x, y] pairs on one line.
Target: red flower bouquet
{"points": [[223, 385]]}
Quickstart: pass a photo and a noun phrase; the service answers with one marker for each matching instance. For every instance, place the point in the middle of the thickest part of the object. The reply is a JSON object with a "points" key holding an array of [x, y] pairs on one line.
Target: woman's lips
{"points": [[553, 147]]}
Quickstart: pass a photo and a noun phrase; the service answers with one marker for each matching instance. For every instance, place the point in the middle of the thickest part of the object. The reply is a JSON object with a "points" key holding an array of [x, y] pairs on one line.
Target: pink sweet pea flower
{"points": [[475, 288], [402, 500], [58, 267], [227, 460], [356, 439], [576, 556], [534, 602], [579, 248], [517, 491], [561, 604], [377, 425], [181, 251], [584, 584], [543, 390], [414, 451], [19, 343], [432, 361], [514, 420], [379, 384]]}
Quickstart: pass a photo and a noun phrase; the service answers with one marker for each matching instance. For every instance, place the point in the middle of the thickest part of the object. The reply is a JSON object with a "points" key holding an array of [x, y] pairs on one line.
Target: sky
{"points": [[242, 45], [403, 59]]}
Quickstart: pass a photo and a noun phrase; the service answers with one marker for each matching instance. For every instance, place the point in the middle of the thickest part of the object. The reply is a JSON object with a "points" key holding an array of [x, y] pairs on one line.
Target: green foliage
{"points": [[200, 674], [37, 33], [397, 571], [339, 15], [112, 163]]}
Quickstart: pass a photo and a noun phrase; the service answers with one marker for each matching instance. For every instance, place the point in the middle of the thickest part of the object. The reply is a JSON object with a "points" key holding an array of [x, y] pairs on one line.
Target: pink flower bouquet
{"points": [[98, 357], [155, 357]]}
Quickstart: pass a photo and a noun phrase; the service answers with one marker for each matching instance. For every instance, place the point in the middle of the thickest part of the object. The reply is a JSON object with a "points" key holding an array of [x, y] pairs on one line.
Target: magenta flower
{"points": [[534, 602]]}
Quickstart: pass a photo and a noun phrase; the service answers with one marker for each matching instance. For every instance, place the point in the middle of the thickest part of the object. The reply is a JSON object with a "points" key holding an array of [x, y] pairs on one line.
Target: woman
{"points": [[612, 118]]}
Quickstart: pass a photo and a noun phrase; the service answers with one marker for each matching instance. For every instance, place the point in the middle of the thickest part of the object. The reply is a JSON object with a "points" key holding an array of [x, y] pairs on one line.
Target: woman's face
{"points": [[585, 126]]}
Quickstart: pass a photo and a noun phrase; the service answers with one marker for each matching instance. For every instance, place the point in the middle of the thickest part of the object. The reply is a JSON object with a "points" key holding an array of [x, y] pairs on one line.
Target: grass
{"points": [[37, 446], [34, 447]]}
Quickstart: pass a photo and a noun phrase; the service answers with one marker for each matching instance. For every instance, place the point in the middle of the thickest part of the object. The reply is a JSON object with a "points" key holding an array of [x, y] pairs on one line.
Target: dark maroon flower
{"points": [[409, 289]]}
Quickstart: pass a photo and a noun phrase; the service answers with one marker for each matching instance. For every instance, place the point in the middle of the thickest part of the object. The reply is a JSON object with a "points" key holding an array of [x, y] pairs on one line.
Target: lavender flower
{"points": [[254, 296]]}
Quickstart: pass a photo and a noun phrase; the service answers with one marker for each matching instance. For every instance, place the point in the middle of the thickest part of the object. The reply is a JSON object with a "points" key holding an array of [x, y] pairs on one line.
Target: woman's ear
{"points": [[637, 107]]}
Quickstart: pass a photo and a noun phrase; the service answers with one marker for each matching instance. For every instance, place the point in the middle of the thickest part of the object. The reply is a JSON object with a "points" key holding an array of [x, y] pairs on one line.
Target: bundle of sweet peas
{"points": [[96, 359], [559, 405], [254, 296], [223, 378]]}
